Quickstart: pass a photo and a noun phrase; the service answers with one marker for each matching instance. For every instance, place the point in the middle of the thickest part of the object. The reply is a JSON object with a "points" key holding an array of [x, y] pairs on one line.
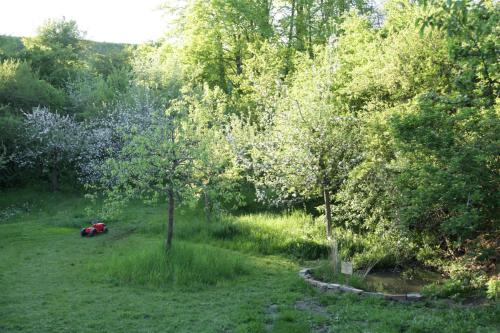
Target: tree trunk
{"points": [[292, 25], [239, 63], [54, 179], [207, 206], [170, 226], [221, 71], [300, 26], [288, 59], [328, 212]]}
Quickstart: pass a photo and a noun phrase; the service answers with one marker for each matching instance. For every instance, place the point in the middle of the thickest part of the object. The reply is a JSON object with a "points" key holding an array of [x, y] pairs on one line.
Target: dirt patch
{"points": [[311, 306], [272, 315], [115, 235]]}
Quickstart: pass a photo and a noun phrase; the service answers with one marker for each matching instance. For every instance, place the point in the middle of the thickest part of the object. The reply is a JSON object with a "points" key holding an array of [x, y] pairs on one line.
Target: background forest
{"points": [[380, 123]]}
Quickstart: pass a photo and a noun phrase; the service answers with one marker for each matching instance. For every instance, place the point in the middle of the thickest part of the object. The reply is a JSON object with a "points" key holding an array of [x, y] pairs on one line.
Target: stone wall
{"points": [[307, 276]]}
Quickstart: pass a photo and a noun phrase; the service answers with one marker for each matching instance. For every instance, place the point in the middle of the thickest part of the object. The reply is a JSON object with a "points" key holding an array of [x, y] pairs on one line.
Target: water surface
{"points": [[390, 282]]}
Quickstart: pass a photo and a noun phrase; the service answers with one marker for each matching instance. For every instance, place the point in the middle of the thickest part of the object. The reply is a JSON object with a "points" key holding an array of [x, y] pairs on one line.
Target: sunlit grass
{"points": [[294, 234], [186, 265]]}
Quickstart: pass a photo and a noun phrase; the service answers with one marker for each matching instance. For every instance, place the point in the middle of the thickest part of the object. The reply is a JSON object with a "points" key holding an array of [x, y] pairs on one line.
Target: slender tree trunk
{"points": [[170, 226], [54, 171], [54, 179], [290, 39], [292, 25], [328, 212], [310, 47], [268, 4], [220, 64], [239, 63], [300, 26], [207, 207]]}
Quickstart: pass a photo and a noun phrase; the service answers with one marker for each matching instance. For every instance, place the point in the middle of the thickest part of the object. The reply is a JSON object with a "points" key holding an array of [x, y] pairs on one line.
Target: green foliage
{"points": [[91, 95], [159, 68], [472, 28], [3, 157], [10, 126], [217, 35], [464, 281], [449, 174], [105, 58], [428, 167], [10, 129], [60, 34], [10, 47], [54, 52], [493, 285], [20, 87]]}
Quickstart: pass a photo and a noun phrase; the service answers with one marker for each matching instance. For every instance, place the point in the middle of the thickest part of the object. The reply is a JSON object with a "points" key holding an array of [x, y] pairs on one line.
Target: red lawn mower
{"points": [[96, 228]]}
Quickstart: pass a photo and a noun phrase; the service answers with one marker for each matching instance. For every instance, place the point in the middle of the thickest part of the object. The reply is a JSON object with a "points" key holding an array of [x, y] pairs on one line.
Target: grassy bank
{"points": [[235, 276]]}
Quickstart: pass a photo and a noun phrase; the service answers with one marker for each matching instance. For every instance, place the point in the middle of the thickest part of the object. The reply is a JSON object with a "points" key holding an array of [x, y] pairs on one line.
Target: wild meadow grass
{"points": [[186, 265], [324, 272], [294, 234]]}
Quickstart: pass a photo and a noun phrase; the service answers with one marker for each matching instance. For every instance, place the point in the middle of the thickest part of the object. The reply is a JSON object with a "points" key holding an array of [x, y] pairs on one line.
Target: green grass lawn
{"points": [[239, 275]]}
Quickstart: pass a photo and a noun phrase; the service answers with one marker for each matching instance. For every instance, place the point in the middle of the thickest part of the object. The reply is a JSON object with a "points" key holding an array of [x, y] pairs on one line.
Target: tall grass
{"points": [[295, 234], [186, 265], [325, 272]]}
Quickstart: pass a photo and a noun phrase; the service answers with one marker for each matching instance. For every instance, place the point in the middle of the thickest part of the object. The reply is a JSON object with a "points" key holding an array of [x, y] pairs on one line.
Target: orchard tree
{"points": [[216, 172], [156, 163], [50, 141], [178, 152], [106, 135], [309, 146]]}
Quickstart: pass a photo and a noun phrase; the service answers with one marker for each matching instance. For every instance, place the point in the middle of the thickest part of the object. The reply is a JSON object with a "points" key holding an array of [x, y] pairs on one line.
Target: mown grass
{"points": [[55, 281]]}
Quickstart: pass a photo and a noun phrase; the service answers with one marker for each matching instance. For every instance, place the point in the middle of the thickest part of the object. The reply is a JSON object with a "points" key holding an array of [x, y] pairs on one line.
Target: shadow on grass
{"points": [[295, 235]]}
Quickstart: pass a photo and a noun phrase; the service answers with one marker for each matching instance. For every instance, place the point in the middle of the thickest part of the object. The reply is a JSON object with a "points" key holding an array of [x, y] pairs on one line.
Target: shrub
{"points": [[463, 282], [20, 87], [493, 285], [381, 248]]}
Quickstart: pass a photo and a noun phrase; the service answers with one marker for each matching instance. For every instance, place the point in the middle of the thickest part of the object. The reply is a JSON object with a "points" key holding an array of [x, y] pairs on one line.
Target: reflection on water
{"points": [[389, 282]]}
